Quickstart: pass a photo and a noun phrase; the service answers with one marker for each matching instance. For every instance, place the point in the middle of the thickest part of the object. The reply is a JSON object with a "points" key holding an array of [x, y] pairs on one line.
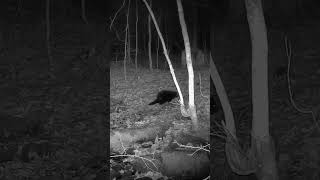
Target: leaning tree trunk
{"points": [[166, 54], [192, 108], [262, 142]]}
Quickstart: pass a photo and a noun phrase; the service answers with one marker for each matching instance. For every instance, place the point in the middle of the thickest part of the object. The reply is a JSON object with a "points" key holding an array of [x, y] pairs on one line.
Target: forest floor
{"points": [[141, 88], [130, 98]]}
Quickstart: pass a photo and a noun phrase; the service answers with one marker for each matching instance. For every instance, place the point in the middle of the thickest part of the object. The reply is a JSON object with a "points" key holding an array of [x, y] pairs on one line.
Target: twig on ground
{"points": [[135, 156], [198, 148]]}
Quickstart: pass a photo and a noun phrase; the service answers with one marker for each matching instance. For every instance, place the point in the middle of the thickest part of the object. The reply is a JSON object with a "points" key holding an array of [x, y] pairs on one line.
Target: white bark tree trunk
{"points": [[192, 108], [165, 52]]}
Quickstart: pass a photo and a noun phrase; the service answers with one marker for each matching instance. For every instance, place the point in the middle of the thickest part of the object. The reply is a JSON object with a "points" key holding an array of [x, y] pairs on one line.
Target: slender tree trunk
{"points": [[144, 43], [166, 32], [50, 60], [150, 38], [158, 41], [137, 48], [165, 52], [157, 53], [128, 31], [125, 59], [261, 140], [83, 11], [192, 107], [229, 124]]}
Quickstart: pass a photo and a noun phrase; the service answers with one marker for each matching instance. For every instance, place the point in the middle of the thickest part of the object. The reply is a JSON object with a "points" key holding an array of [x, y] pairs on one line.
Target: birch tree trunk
{"points": [[261, 140], [192, 107], [166, 54]]}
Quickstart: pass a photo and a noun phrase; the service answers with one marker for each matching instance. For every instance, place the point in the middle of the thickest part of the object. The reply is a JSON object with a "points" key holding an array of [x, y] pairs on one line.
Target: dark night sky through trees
{"points": [[216, 12]]}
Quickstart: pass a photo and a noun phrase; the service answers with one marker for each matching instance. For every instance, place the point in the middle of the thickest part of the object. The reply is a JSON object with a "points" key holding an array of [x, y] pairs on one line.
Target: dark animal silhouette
{"points": [[164, 96]]}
